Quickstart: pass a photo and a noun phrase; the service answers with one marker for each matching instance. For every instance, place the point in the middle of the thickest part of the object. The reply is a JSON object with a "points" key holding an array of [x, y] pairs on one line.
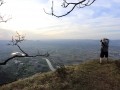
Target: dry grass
{"points": [[86, 76]]}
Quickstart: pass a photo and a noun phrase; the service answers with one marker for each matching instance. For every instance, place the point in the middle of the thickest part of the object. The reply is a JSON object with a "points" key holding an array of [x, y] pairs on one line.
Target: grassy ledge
{"points": [[89, 75]]}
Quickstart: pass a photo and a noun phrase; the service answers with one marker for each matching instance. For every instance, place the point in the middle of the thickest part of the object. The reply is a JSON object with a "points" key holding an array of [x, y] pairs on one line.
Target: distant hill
{"points": [[89, 75]]}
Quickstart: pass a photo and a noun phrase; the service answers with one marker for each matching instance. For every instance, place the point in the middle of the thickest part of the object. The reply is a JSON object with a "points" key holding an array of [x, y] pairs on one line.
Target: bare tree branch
{"points": [[1, 2], [65, 4], [19, 38], [2, 17], [5, 62]]}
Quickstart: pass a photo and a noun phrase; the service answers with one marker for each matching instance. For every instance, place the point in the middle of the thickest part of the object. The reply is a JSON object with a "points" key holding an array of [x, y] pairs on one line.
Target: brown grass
{"points": [[86, 76]]}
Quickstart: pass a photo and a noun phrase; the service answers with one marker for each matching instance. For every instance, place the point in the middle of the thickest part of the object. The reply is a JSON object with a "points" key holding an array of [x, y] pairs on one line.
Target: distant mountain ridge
{"points": [[59, 41]]}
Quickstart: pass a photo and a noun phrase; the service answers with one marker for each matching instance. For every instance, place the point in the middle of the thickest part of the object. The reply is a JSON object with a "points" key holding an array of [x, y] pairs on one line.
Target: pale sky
{"points": [[101, 19]]}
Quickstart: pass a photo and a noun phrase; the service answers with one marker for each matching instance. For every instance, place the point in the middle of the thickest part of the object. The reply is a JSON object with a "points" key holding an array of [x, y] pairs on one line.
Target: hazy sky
{"points": [[101, 19]]}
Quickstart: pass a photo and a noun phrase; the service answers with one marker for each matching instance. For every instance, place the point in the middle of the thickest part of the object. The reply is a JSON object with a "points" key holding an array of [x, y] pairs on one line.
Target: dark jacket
{"points": [[105, 45]]}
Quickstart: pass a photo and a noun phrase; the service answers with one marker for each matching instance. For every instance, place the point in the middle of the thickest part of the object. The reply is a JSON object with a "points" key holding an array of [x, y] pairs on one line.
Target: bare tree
{"points": [[2, 17], [15, 41], [65, 4]]}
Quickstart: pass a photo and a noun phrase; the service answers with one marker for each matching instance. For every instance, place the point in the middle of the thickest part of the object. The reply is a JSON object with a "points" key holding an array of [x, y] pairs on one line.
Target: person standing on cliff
{"points": [[104, 49]]}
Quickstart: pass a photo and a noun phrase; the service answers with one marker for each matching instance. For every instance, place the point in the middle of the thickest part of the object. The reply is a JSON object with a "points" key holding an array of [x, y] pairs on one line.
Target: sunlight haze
{"points": [[101, 19]]}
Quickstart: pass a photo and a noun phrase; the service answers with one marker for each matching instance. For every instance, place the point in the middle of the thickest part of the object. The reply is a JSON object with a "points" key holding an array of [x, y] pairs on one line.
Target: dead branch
{"points": [[19, 38], [1, 2], [2, 17], [3, 20], [65, 4], [8, 59]]}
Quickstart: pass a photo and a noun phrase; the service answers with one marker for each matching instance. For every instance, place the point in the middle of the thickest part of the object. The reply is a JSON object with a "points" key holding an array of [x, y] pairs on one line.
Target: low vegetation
{"points": [[89, 75]]}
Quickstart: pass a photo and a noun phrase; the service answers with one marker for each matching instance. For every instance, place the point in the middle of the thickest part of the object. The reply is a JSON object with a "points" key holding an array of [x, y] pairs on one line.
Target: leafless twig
{"points": [[2, 17], [1, 2], [65, 4], [19, 38]]}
